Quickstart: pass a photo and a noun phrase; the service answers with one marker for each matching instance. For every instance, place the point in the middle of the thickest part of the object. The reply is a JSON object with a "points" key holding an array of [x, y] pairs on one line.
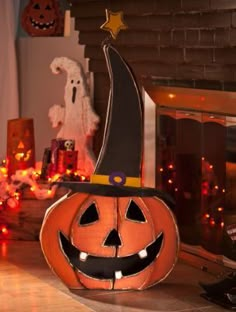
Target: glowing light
{"points": [[223, 190], [170, 166], [49, 192], [32, 188], [68, 171], [203, 158], [4, 230], [211, 166], [206, 215], [216, 187], [212, 117], [170, 181], [83, 178], [161, 169], [176, 189], [222, 224], [171, 95], [220, 208], [212, 222]]}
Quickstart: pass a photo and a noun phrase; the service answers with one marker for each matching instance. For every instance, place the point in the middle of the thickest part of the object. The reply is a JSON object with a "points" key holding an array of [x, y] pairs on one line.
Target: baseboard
{"points": [[205, 260]]}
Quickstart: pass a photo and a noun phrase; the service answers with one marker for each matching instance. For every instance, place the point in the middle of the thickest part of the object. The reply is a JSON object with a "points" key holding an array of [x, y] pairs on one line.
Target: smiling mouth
{"points": [[110, 268], [42, 26]]}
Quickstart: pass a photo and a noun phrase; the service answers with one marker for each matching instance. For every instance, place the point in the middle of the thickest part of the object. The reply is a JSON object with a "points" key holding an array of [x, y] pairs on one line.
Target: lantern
{"points": [[113, 233], [20, 144], [42, 18]]}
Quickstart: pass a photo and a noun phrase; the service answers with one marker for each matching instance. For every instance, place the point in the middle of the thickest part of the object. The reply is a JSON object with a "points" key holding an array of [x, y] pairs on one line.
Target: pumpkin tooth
{"points": [[143, 253], [83, 256], [118, 274]]}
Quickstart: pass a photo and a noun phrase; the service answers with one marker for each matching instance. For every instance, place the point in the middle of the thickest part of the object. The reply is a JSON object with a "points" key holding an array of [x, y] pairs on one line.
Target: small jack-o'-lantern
{"points": [[20, 144], [113, 233], [42, 18]]}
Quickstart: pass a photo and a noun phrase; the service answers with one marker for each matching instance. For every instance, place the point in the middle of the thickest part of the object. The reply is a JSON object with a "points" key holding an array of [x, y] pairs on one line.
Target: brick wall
{"points": [[187, 43]]}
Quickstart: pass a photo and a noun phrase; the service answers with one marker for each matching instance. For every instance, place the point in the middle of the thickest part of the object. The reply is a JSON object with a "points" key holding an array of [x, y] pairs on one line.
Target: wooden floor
{"points": [[28, 285]]}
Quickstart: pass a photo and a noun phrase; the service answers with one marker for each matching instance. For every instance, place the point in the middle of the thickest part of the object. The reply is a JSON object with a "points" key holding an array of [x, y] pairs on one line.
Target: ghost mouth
{"points": [[110, 268], [74, 90], [43, 26]]}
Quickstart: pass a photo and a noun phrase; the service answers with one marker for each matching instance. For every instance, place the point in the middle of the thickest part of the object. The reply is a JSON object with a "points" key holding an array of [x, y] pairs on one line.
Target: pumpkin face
{"points": [[102, 242], [42, 18], [20, 145]]}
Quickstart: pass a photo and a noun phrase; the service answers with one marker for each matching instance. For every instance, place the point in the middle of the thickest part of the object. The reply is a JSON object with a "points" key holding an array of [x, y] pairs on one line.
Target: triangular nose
{"points": [[113, 239], [21, 145]]}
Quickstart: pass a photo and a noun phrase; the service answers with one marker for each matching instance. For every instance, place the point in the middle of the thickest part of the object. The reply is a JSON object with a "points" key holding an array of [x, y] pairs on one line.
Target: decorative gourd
{"points": [[42, 18], [113, 233]]}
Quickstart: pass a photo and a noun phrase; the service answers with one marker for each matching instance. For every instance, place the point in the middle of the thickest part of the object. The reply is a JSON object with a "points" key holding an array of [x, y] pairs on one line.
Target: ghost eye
{"points": [[134, 213], [72, 81], [78, 82], [89, 216], [48, 7], [36, 6]]}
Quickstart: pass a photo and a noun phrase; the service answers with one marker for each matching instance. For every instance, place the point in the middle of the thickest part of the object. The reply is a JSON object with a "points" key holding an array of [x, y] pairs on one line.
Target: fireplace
{"points": [[190, 152]]}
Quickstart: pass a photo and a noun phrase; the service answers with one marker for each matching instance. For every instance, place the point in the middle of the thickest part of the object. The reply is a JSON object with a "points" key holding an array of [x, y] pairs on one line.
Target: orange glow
{"points": [[161, 169], [170, 166], [223, 190], [176, 189], [32, 188], [222, 224], [170, 181], [203, 158], [212, 222], [220, 209], [206, 215], [216, 187], [171, 95], [211, 166], [3, 170], [4, 249], [49, 192]]}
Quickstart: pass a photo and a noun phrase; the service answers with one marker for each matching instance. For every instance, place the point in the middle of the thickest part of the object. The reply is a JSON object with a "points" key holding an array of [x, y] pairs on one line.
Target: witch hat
{"points": [[119, 162], [118, 169]]}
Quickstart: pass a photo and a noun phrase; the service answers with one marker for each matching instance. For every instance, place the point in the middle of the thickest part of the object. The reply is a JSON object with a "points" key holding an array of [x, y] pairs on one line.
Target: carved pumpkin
{"points": [[20, 144], [113, 233], [42, 18], [110, 242]]}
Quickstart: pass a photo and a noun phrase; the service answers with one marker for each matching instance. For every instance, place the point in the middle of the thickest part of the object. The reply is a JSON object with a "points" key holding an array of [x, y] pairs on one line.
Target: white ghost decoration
{"points": [[77, 119]]}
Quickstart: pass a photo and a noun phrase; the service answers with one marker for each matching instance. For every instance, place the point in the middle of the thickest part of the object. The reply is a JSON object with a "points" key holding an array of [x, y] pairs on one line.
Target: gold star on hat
{"points": [[114, 23]]}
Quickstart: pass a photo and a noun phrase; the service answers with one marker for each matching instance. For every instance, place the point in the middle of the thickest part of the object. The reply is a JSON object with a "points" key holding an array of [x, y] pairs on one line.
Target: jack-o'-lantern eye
{"points": [[89, 216], [48, 7], [134, 213], [36, 6]]}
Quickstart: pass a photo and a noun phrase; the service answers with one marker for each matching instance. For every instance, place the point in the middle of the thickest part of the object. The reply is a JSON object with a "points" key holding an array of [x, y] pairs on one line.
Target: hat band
{"points": [[116, 178]]}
